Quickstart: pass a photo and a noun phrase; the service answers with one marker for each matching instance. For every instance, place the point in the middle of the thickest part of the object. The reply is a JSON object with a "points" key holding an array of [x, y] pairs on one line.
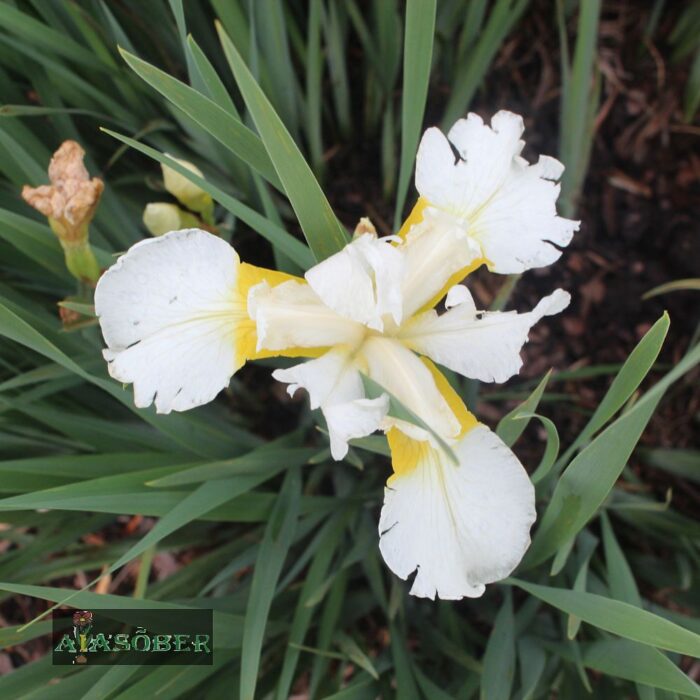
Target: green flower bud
{"points": [[186, 192], [163, 217]]}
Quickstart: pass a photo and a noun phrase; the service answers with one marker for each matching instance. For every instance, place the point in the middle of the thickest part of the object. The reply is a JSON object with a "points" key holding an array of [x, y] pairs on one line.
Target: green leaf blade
{"points": [[417, 61], [617, 617], [322, 229]]}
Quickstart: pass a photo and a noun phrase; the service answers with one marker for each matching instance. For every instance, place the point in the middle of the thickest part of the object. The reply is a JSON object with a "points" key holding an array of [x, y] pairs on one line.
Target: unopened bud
{"points": [[186, 192], [69, 203], [163, 217], [364, 225]]}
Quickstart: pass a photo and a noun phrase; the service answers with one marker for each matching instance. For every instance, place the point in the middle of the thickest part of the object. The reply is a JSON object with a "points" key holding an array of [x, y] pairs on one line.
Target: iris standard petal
{"points": [[169, 310], [484, 346], [458, 527], [361, 282]]}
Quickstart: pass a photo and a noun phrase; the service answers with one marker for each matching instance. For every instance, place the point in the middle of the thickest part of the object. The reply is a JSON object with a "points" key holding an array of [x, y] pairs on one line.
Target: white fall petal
{"points": [[334, 385], [168, 310], [458, 527], [484, 346], [506, 204]]}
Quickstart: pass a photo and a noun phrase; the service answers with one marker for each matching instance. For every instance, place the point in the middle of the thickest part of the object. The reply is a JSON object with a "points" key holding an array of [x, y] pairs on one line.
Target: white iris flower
{"points": [[180, 314], [477, 177]]}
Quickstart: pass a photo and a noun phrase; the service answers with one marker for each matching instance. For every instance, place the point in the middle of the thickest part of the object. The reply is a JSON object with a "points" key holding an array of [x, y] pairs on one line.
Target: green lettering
{"points": [[99, 642], [161, 642], [201, 643], [121, 642], [181, 642], [141, 642], [66, 644]]}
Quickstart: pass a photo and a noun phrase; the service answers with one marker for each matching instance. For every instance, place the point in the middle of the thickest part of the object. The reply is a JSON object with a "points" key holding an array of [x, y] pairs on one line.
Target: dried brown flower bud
{"points": [[69, 202], [72, 197]]}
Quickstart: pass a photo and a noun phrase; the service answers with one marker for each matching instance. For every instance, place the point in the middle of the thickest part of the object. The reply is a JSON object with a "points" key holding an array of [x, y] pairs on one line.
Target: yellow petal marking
{"points": [[246, 335], [406, 452], [466, 419], [415, 217], [455, 279]]}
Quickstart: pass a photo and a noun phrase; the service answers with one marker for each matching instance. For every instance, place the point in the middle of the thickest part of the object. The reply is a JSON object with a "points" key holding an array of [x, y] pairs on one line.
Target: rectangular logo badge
{"points": [[133, 637]]}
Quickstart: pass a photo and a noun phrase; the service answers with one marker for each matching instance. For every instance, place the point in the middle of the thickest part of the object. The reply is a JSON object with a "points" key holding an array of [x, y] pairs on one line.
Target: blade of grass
{"points": [[499, 657], [626, 381], [274, 45], [512, 425], [532, 664], [48, 39], [326, 544], [113, 679], [691, 99], [222, 125], [617, 617], [327, 627], [314, 72], [210, 79], [621, 658], [578, 103], [551, 449], [620, 578], [249, 464], [417, 61], [194, 505], [277, 236], [623, 587], [279, 535], [322, 229], [586, 549], [335, 33], [181, 432], [681, 462], [403, 668], [676, 286], [503, 17], [351, 649]]}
